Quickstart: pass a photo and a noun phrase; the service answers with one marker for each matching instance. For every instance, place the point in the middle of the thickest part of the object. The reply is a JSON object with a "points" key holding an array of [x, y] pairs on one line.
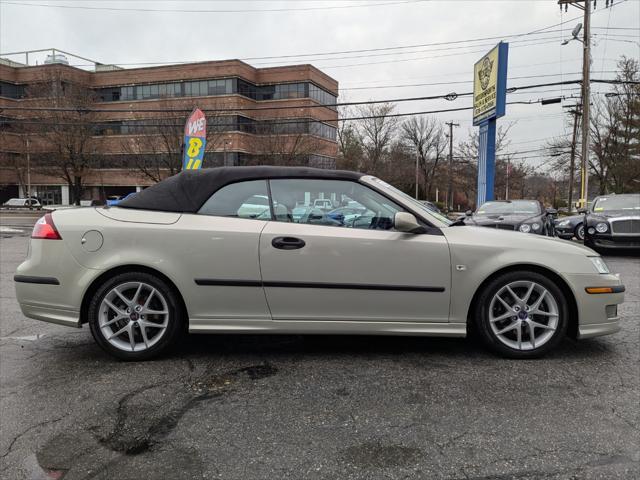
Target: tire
{"points": [[144, 302], [579, 232], [501, 335]]}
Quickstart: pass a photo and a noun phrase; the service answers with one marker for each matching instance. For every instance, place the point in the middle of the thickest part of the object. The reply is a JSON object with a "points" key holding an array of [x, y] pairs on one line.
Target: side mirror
{"points": [[552, 211], [582, 210], [469, 213], [407, 223]]}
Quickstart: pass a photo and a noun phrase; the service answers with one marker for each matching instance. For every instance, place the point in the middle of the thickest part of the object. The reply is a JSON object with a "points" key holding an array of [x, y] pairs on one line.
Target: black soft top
{"points": [[187, 191]]}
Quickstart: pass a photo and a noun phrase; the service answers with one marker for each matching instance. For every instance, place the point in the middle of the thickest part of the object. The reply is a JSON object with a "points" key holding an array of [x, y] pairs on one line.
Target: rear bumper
{"points": [[68, 318], [50, 283]]}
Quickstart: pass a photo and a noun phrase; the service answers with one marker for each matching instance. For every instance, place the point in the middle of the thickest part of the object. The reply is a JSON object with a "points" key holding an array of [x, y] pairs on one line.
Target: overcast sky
{"points": [[276, 28]]}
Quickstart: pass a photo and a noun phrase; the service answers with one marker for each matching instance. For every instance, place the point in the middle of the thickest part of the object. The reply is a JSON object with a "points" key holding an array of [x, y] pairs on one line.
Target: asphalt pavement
{"points": [[279, 407]]}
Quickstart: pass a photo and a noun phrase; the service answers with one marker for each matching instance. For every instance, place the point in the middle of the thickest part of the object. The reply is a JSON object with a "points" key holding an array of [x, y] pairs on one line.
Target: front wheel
{"points": [[522, 315], [135, 316], [579, 232]]}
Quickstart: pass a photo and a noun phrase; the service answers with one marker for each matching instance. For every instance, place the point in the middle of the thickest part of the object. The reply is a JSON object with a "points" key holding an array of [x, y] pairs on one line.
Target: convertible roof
{"points": [[187, 191]]}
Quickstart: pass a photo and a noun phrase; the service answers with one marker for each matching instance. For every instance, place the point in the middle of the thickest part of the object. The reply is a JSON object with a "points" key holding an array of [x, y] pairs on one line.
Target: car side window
{"points": [[336, 203], [240, 200]]}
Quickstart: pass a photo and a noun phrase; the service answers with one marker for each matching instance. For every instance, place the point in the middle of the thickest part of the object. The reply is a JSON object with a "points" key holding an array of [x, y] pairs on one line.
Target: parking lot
{"points": [[256, 407]]}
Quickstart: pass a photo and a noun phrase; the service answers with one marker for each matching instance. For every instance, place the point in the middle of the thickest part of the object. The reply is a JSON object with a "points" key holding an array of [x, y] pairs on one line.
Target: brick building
{"points": [[135, 119]]}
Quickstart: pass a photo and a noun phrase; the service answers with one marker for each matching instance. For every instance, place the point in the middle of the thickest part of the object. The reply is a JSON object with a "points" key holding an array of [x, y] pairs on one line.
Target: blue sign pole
{"points": [[486, 161]]}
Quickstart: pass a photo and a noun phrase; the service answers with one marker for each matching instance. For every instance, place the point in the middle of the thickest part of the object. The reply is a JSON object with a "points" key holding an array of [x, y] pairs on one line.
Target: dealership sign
{"points": [[489, 100], [195, 140], [490, 84]]}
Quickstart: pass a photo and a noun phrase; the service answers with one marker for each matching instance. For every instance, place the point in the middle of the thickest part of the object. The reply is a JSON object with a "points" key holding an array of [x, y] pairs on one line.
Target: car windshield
{"points": [[515, 207], [621, 203], [417, 204]]}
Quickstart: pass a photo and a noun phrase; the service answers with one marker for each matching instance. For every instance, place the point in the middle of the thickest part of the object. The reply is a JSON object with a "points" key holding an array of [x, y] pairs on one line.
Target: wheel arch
{"points": [[572, 327], [104, 276]]}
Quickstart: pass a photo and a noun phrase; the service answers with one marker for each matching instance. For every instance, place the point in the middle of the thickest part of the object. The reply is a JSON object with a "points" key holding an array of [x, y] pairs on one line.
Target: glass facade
{"points": [[220, 86], [226, 123]]}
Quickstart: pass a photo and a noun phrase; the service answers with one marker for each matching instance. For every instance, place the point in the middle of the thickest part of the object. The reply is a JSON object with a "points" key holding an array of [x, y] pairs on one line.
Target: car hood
{"points": [[500, 240], [617, 213], [482, 220]]}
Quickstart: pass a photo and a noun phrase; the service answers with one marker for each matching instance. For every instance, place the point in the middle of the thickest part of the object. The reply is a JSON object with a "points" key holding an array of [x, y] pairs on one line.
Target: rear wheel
{"points": [[135, 316], [522, 315]]}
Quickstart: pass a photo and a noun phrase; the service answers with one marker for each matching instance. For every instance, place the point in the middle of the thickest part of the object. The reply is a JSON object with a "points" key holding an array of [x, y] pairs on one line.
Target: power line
{"points": [[182, 10], [363, 117], [449, 96]]}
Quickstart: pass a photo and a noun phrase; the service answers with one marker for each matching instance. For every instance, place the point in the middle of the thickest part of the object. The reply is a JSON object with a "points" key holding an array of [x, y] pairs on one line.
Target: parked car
{"points": [[526, 216], [323, 203], [347, 214], [613, 222], [430, 205], [569, 227], [114, 200], [23, 203], [186, 254]]}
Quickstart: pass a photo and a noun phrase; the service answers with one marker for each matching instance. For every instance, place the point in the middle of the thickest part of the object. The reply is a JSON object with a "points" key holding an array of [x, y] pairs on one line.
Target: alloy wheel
{"points": [[523, 315], [133, 316]]}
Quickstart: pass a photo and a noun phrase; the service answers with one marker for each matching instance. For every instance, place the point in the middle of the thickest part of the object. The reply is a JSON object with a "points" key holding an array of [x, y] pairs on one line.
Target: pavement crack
{"points": [[32, 427]]}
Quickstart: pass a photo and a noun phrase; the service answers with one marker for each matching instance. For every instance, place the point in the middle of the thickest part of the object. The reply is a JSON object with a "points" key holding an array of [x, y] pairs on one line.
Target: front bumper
{"points": [[606, 240], [597, 313], [564, 232]]}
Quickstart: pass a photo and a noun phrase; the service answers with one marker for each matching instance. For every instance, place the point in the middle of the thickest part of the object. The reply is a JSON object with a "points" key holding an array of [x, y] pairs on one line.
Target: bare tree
{"points": [[66, 134], [615, 133], [426, 138], [285, 142], [377, 130]]}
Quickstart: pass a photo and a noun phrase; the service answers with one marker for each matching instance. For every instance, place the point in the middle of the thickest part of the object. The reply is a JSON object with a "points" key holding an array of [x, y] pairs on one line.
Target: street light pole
{"points": [[28, 173], [417, 167], [450, 191]]}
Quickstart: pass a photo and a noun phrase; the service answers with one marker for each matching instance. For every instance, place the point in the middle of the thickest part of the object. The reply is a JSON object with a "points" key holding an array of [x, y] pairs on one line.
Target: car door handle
{"points": [[287, 243]]}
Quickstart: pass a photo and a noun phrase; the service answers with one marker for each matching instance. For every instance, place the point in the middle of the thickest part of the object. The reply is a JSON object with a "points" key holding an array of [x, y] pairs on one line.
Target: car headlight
{"points": [[524, 228], [602, 227], [535, 226], [600, 265], [564, 223]]}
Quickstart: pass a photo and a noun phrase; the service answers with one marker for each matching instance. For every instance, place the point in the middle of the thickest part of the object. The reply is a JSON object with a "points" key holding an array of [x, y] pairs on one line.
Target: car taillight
{"points": [[45, 229]]}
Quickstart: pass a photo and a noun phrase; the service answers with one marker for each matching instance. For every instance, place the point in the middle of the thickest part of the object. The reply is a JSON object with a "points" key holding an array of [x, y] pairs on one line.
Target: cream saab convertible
{"points": [[195, 253]]}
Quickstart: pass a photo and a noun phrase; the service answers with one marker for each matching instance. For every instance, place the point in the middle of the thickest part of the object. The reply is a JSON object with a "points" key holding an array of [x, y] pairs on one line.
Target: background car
{"points": [[346, 214], [430, 205], [613, 222], [23, 203], [526, 216], [570, 227], [112, 201]]}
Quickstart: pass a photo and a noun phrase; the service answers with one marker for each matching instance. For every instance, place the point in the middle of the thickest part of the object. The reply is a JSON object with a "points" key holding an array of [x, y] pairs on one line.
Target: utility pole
{"points": [[506, 193], [572, 162], [586, 99], [450, 190], [584, 5]]}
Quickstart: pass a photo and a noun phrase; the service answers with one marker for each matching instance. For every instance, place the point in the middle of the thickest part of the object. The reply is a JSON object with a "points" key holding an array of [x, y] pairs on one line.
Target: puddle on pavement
{"points": [[28, 338]]}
